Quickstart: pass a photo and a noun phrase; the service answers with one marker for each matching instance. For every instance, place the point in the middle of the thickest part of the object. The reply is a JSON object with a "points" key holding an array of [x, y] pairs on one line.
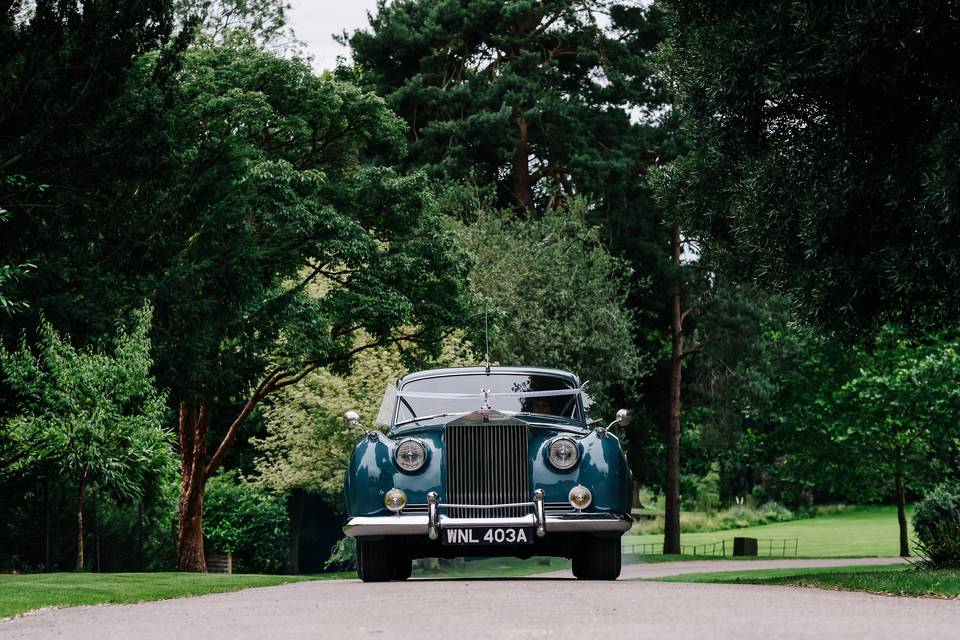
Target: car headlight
{"points": [[410, 455], [563, 453]]}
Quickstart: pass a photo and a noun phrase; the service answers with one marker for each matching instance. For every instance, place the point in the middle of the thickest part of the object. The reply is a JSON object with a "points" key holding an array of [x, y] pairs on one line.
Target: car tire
{"points": [[402, 565], [597, 559], [375, 563]]}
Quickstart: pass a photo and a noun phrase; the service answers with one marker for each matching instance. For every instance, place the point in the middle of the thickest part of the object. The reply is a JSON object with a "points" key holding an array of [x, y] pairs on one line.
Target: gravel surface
{"points": [[541, 607]]}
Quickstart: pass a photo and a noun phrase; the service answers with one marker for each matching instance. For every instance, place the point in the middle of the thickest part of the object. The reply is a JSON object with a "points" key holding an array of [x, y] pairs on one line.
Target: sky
{"points": [[316, 21]]}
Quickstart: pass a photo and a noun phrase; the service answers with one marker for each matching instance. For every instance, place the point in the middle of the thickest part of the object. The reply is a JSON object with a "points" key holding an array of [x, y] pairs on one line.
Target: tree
{"points": [[97, 417], [903, 409], [63, 63], [536, 99], [555, 298], [822, 144], [220, 21], [257, 192], [307, 445], [10, 273]]}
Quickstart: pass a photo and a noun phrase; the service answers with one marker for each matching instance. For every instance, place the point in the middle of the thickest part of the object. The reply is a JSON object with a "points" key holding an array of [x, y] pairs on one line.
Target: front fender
{"points": [[602, 468], [372, 472]]}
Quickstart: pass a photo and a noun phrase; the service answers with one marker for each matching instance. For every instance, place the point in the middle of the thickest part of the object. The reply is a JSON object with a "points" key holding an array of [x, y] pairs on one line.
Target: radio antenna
{"points": [[486, 331]]}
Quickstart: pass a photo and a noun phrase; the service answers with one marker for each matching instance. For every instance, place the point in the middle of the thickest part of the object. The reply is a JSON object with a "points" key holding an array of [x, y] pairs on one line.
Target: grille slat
{"points": [[486, 464]]}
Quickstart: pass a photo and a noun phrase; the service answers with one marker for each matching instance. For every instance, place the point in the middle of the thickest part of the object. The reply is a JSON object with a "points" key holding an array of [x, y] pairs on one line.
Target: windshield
{"points": [[507, 393]]}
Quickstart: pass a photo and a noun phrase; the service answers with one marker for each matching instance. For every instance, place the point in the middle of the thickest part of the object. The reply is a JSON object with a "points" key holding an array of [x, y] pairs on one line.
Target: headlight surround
{"points": [[410, 455], [563, 453]]}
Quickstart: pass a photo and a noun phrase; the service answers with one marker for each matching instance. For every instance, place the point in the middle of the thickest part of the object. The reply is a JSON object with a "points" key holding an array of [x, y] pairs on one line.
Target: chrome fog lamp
{"points": [[563, 453], [410, 455], [580, 497], [395, 500]]}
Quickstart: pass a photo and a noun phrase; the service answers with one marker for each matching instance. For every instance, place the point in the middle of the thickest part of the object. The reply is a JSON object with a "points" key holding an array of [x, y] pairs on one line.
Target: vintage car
{"points": [[487, 461]]}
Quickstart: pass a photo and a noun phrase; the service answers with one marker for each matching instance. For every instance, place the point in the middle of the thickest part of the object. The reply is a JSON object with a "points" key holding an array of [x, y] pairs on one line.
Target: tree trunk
{"points": [[96, 526], [522, 182], [193, 424], [297, 503], [81, 485], [140, 535], [671, 527], [902, 516], [46, 525]]}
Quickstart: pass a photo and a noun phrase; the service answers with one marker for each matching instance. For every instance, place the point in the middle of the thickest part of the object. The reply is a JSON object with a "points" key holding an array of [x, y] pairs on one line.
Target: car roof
{"points": [[459, 371]]}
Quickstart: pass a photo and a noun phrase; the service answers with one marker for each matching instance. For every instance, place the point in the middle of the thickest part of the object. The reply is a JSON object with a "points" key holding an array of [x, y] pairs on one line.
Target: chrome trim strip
{"points": [[522, 521], [447, 505], [403, 525]]}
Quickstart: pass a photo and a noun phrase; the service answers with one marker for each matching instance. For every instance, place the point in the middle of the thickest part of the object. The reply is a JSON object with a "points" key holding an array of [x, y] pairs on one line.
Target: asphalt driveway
{"points": [[543, 607]]}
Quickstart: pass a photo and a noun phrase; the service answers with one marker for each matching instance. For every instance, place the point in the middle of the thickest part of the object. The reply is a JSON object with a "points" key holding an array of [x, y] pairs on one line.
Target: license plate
{"points": [[487, 535]]}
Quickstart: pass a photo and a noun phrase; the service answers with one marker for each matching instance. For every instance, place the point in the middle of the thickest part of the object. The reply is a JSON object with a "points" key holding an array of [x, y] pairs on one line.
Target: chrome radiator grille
{"points": [[486, 464]]}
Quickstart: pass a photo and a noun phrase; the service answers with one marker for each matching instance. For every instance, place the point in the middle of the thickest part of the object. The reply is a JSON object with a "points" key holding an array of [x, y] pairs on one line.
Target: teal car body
{"points": [[485, 470]]}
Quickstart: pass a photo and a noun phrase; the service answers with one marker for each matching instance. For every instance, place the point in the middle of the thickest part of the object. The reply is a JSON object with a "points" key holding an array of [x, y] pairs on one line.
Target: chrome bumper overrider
{"points": [[433, 522]]}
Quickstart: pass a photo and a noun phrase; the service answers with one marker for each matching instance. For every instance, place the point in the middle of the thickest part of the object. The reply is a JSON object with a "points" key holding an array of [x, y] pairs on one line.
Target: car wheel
{"points": [[402, 565], [375, 563], [597, 559]]}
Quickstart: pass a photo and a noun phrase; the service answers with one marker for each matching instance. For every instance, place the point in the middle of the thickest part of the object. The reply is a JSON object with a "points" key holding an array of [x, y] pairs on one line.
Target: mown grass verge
{"points": [[853, 532], [22, 593], [899, 579]]}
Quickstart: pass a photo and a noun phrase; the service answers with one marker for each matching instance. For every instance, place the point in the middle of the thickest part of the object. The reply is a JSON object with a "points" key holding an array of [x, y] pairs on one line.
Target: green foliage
{"points": [[307, 444], [63, 64], [97, 417], [19, 593], [735, 517], [248, 522], [707, 498], [903, 408], [896, 580], [344, 555], [533, 99], [223, 21], [822, 142], [536, 104], [10, 273], [251, 165], [556, 297], [936, 521]]}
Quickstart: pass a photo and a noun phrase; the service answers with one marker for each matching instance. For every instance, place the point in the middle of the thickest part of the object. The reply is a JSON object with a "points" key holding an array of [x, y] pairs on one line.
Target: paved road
{"points": [[554, 608], [662, 569]]}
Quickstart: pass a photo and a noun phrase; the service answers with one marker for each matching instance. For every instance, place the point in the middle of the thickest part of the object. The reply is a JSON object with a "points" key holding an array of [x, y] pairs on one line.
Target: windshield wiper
{"points": [[436, 415]]}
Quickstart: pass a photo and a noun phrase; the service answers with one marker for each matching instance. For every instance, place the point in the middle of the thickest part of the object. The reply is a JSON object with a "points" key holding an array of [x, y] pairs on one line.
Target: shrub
{"points": [[736, 517], [708, 490], [343, 556], [248, 522], [936, 521]]}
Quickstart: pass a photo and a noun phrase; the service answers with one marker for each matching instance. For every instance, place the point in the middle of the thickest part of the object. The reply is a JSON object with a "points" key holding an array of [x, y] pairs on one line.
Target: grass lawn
{"points": [[25, 592], [894, 579], [853, 532]]}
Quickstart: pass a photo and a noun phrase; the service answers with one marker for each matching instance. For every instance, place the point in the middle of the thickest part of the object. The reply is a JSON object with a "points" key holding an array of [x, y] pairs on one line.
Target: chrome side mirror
{"points": [[623, 419], [352, 418]]}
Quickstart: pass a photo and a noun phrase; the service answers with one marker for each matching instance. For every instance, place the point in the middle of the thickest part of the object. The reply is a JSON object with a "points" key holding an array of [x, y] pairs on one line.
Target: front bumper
{"points": [[434, 521], [413, 525]]}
